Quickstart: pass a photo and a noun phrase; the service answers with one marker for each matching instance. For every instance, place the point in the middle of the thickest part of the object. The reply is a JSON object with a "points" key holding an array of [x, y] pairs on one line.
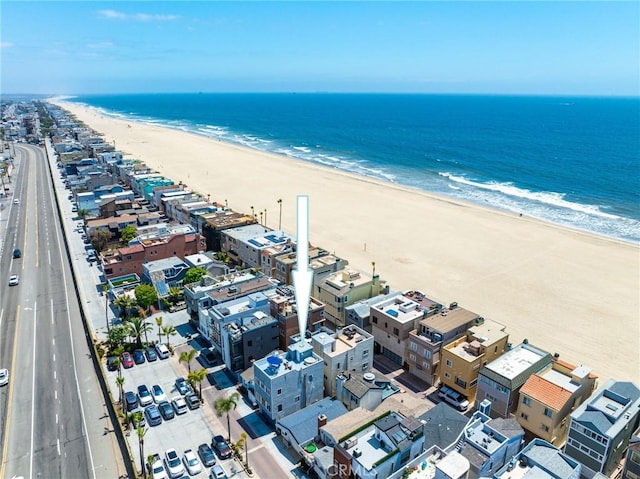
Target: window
{"points": [[413, 346], [386, 325], [396, 331], [544, 427], [548, 412], [526, 401], [447, 375], [524, 416], [425, 365], [427, 354], [449, 363], [375, 320], [412, 357], [461, 383], [250, 343], [296, 399], [337, 365], [279, 407], [365, 353], [279, 392]]}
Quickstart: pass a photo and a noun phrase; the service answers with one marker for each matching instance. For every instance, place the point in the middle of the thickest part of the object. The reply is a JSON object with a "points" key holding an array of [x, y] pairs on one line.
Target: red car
{"points": [[127, 360]]}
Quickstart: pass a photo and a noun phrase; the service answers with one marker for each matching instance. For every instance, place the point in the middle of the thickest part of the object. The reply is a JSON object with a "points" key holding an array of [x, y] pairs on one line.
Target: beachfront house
{"points": [[244, 245], [500, 380], [220, 221], [283, 307], [425, 343], [359, 313], [462, 359], [548, 397], [540, 459], [343, 288], [601, 427]]}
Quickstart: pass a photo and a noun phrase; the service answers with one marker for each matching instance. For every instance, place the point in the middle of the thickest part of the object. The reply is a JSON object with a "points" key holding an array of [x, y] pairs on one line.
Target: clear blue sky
{"points": [[577, 48]]}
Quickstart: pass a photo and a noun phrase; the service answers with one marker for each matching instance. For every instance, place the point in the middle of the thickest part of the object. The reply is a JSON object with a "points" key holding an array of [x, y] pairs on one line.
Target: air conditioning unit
{"points": [[349, 443], [357, 452]]}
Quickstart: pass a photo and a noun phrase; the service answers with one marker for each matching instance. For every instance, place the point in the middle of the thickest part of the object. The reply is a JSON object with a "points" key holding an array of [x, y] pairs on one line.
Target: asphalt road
{"points": [[51, 407]]}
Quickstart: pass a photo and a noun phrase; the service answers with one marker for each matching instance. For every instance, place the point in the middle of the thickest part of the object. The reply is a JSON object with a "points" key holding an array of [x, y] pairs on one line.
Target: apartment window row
{"points": [[588, 433], [581, 447], [412, 357], [413, 346]]}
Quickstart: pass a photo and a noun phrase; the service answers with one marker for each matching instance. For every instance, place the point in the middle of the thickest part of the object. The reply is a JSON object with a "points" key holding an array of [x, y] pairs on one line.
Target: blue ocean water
{"points": [[571, 161]]}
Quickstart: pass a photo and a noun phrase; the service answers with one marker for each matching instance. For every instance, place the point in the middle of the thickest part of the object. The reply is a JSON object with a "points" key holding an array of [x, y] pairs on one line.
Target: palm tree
{"points": [[224, 406], [120, 384], [187, 357], [280, 220], [141, 431], [169, 330], [125, 303], [197, 377], [137, 327], [159, 323], [143, 314]]}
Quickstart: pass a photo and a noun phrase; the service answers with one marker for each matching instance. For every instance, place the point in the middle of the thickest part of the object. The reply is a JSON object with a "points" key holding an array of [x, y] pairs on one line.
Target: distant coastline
{"points": [[606, 208]]}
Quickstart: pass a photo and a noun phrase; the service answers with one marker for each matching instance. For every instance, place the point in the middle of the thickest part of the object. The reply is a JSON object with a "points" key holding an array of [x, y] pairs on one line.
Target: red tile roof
{"points": [[546, 392]]}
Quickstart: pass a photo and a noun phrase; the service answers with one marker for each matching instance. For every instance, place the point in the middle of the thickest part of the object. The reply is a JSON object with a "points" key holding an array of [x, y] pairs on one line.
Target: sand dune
{"points": [[566, 291]]}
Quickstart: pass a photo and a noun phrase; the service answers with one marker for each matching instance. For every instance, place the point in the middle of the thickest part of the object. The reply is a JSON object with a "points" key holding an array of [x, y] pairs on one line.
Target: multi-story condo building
{"points": [[342, 289], [287, 382], [320, 262], [488, 444], [248, 338], [245, 244], [540, 459], [631, 469], [391, 322], [500, 380], [548, 397], [348, 349], [153, 242], [270, 254], [462, 359], [359, 313], [601, 427], [220, 221], [283, 307], [422, 354]]}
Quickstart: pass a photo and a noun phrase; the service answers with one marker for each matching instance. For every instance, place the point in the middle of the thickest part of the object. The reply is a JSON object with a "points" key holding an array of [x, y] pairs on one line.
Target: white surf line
{"points": [[33, 387]]}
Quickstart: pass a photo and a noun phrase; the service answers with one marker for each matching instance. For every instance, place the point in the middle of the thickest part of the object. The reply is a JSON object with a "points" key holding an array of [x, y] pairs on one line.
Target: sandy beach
{"points": [[566, 291]]}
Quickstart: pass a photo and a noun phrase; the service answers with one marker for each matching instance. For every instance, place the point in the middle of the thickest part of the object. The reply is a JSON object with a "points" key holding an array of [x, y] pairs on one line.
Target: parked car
{"points": [[144, 395], [17, 253], [222, 447], [137, 417], [131, 400], [112, 363], [192, 463], [182, 386], [180, 405], [126, 360], [217, 472], [454, 398], [138, 356], [4, 377], [163, 351], [158, 393], [16, 201], [158, 470], [206, 454], [154, 418], [151, 354], [166, 409], [192, 400], [14, 280], [173, 462]]}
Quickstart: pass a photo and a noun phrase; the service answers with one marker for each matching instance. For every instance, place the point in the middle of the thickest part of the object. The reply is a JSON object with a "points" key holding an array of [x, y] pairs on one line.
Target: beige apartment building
{"points": [[425, 343], [342, 289], [550, 396], [392, 319], [462, 359], [320, 262]]}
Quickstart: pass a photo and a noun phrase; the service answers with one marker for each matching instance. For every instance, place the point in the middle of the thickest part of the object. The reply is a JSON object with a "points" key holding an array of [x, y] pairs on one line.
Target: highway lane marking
{"points": [[37, 237], [54, 357], [58, 442], [10, 397], [53, 341], [49, 254], [33, 388]]}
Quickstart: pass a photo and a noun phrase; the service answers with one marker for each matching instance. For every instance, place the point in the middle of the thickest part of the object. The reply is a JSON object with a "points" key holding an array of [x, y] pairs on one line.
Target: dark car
{"points": [[166, 409], [153, 415], [182, 386], [192, 401], [17, 253], [126, 360], [131, 400], [112, 363], [138, 356], [206, 454], [151, 354], [222, 447]]}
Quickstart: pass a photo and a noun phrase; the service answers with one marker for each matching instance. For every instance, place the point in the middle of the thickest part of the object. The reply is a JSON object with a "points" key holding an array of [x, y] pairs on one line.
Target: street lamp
{"points": [[280, 219]]}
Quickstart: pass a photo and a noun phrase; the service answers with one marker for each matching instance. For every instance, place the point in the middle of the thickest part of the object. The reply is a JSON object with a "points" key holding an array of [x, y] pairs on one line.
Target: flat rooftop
{"points": [[515, 362], [400, 308]]}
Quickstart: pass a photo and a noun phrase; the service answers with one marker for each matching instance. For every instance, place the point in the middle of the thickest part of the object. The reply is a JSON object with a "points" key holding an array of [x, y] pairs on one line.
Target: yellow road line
{"points": [[10, 396]]}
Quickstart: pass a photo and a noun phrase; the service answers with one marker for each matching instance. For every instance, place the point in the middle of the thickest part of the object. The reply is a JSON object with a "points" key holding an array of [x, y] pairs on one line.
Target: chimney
{"points": [[322, 420]]}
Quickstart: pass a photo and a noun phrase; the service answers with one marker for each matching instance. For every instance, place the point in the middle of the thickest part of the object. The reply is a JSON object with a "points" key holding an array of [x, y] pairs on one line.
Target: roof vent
{"points": [[369, 377]]}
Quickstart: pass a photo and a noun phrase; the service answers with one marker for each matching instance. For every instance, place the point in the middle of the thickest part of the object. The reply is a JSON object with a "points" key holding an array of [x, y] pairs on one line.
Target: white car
{"points": [[173, 462], [180, 405], [158, 471], [16, 201], [4, 377], [192, 463], [158, 394], [14, 280]]}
